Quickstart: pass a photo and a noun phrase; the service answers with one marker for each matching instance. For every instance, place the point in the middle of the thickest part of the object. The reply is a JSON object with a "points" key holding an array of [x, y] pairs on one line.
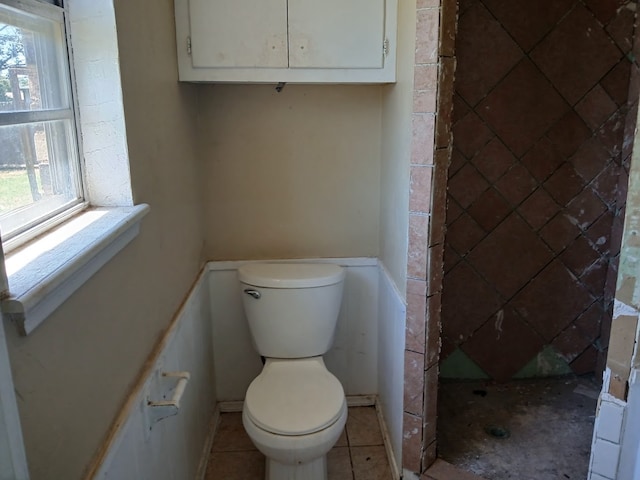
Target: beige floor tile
{"points": [[370, 463], [359, 453], [236, 466], [363, 427], [231, 436], [342, 441], [339, 464]]}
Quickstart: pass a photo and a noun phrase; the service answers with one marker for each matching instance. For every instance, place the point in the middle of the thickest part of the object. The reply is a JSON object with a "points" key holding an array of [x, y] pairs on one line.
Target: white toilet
{"points": [[295, 410]]}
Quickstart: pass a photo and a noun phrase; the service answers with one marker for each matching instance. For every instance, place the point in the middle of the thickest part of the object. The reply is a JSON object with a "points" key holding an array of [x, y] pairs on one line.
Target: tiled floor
{"points": [[359, 454]]}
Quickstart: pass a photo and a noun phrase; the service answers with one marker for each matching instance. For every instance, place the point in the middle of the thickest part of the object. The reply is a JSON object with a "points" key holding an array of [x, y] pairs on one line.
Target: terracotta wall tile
{"points": [[542, 138], [581, 37], [429, 456], [427, 4], [412, 442], [416, 321], [596, 107], [430, 404], [420, 189], [418, 240], [423, 136], [485, 53], [434, 305], [445, 102], [448, 27], [413, 382], [439, 198], [427, 35], [436, 269], [528, 25], [417, 287], [424, 101], [425, 77]]}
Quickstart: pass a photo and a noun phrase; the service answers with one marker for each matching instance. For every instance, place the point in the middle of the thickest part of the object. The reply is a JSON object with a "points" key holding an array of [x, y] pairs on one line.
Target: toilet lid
{"points": [[294, 397]]}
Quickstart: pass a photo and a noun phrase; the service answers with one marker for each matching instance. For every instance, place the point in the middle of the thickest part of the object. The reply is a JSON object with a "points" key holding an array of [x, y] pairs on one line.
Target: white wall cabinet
{"points": [[298, 41]]}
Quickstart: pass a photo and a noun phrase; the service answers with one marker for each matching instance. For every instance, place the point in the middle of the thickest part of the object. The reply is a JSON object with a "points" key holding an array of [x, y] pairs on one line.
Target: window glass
{"points": [[39, 168]]}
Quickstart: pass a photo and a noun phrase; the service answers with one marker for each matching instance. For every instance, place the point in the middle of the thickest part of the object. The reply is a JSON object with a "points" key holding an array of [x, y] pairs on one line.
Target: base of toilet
{"points": [[305, 455], [314, 470]]}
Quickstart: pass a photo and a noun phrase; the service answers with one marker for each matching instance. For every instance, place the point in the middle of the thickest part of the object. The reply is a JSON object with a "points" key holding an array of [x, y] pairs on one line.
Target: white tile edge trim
{"points": [[217, 266], [114, 436], [39, 288]]}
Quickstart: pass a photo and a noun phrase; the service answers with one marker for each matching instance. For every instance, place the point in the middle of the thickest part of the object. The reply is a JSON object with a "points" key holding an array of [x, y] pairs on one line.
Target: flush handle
{"points": [[254, 293]]}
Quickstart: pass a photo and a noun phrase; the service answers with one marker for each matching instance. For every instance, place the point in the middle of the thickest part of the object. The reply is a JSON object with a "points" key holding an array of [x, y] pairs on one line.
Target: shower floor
{"points": [[525, 430]]}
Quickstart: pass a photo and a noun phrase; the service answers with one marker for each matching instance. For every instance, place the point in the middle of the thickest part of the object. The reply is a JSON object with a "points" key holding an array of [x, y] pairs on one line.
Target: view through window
{"points": [[39, 167]]}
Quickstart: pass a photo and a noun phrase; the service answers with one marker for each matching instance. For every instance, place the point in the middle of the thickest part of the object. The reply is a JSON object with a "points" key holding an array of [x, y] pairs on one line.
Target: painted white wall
{"points": [[391, 341], [13, 461], [294, 174], [99, 98], [74, 372], [365, 359], [397, 107], [353, 359], [173, 448]]}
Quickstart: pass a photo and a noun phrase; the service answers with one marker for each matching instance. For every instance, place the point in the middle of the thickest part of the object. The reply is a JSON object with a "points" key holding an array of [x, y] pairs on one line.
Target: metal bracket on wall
{"points": [[156, 410]]}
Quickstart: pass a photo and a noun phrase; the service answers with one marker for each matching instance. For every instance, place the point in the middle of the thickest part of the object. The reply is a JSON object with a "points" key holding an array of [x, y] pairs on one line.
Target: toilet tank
{"points": [[291, 308]]}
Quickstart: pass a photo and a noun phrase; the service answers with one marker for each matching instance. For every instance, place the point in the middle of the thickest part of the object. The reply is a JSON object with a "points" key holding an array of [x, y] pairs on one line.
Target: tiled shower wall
{"points": [[431, 150], [543, 128]]}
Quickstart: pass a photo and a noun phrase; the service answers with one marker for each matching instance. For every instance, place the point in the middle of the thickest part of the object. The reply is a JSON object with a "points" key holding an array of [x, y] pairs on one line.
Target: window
{"points": [[45, 272], [39, 166]]}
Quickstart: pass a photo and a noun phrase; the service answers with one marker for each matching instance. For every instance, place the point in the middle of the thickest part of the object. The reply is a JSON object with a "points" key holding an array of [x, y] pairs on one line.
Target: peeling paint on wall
{"points": [[620, 308]]}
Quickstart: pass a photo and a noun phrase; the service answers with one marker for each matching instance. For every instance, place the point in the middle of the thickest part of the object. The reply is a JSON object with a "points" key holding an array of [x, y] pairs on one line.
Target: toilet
{"points": [[295, 409]]}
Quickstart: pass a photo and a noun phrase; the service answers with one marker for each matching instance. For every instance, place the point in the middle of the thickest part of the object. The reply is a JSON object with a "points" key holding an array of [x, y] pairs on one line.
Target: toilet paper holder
{"points": [[157, 410]]}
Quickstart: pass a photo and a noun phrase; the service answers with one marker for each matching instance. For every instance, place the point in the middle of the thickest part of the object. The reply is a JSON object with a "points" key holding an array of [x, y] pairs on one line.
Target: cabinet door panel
{"points": [[336, 33], [238, 33]]}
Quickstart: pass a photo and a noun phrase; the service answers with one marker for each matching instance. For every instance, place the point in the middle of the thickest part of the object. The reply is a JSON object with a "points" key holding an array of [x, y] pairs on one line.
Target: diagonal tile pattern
{"points": [[576, 54], [543, 123]]}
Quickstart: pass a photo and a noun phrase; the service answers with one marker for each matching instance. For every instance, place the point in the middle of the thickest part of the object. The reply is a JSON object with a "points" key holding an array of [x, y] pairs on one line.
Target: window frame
{"points": [[56, 11], [37, 288]]}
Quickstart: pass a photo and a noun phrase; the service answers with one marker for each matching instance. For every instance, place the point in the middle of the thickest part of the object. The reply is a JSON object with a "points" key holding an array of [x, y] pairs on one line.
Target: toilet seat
{"points": [[294, 397]]}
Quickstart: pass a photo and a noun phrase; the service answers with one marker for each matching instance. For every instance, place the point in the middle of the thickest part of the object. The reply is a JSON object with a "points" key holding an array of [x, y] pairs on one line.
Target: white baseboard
{"points": [[395, 471], [208, 444]]}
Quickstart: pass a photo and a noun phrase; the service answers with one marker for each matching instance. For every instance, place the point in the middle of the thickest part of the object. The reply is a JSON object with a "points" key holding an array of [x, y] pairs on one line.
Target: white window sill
{"points": [[48, 270]]}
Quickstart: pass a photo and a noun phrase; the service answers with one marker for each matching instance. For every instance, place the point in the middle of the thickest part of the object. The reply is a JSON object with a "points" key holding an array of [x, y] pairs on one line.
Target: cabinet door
{"points": [[336, 33], [238, 33]]}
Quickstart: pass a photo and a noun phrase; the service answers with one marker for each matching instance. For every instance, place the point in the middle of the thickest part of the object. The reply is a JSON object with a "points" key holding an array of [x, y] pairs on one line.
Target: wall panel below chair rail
{"points": [[353, 357], [391, 343], [172, 448], [210, 340]]}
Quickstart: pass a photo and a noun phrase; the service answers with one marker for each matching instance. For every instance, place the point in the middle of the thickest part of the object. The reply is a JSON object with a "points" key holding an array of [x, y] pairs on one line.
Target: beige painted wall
{"points": [[290, 174], [397, 107], [73, 373]]}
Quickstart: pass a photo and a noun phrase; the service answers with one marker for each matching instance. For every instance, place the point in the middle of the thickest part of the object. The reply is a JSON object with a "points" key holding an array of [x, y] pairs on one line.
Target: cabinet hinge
{"points": [[385, 47], [189, 45]]}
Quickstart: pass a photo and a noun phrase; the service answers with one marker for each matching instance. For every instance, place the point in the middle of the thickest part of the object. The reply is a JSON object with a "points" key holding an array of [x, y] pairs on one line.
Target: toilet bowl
{"points": [[294, 412], [295, 409]]}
